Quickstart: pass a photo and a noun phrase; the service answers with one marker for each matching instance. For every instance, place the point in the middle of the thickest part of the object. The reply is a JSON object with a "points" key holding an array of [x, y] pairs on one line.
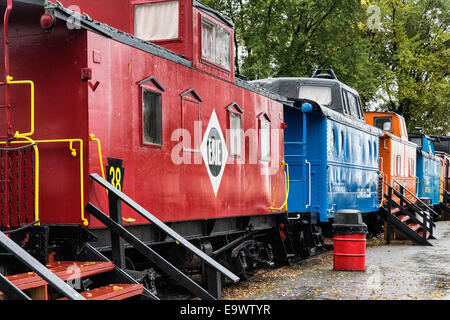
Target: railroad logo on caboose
{"points": [[214, 152]]}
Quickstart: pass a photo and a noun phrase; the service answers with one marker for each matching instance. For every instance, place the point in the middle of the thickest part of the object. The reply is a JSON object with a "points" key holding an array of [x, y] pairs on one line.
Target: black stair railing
{"points": [[10, 290], [427, 218], [214, 270], [27, 259], [410, 209], [403, 189]]}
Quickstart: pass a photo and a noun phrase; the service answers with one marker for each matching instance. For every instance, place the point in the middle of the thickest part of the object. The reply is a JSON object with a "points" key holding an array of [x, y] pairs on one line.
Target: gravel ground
{"points": [[401, 271]]}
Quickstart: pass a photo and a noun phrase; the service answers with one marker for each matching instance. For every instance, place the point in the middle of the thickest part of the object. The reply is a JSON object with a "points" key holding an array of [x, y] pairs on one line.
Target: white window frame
{"points": [[214, 57], [160, 38], [235, 134], [265, 152]]}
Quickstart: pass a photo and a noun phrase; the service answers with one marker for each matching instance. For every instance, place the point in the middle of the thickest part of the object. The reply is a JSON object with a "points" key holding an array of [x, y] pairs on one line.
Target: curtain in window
{"points": [[156, 21]]}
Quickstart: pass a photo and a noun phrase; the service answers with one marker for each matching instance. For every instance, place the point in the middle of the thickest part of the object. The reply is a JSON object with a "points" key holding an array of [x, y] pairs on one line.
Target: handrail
{"points": [[93, 138], [73, 153], [120, 232], [163, 227], [286, 188], [415, 197], [39, 268], [9, 80], [11, 291], [99, 147], [310, 182], [426, 223], [9, 7], [419, 211]]}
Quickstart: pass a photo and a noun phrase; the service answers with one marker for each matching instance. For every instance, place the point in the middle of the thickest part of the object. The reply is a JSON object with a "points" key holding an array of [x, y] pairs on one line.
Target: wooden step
{"points": [[421, 234], [414, 226], [66, 270], [113, 292], [403, 218]]}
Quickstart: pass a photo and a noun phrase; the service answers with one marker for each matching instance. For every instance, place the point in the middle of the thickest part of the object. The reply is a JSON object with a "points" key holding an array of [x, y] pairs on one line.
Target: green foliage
{"points": [[414, 48], [401, 67]]}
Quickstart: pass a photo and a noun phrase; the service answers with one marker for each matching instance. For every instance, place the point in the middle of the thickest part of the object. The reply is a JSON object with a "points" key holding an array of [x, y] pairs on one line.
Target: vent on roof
{"points": [[328, 75]]}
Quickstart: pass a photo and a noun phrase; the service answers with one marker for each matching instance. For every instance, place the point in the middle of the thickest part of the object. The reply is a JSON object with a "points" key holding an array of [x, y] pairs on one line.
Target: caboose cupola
{"points": [[186, 27]]}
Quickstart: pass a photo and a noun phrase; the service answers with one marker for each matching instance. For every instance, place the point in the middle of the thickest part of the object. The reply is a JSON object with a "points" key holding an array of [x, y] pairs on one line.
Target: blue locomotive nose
{"points": [[306, 107]]}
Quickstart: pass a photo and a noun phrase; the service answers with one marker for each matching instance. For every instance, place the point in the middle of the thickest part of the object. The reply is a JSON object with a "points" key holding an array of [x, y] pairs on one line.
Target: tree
{"points": [[402, 66], [414, 47]]}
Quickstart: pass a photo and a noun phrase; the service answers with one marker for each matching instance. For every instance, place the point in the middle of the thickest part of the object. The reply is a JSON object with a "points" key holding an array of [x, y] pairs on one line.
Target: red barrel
{"points": [[349, 252]]}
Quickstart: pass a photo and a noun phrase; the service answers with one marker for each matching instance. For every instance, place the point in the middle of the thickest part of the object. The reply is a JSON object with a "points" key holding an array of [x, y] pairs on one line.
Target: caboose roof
{"points": [[288, 86], [87, 23], [213, 13]]}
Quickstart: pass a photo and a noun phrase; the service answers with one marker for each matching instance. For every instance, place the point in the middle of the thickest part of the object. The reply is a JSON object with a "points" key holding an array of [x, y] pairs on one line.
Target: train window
{"points": [[353, 105], [335, 140], [191, 119], [398, 165], [375, 151], [235, 134], [264, 137], [156, 21], [360, 108], [383, 123], [235, 124], [403, 128], [345, 103], [417, 141], [412, 168], [321, 95], [215, 44], [151, 117]]}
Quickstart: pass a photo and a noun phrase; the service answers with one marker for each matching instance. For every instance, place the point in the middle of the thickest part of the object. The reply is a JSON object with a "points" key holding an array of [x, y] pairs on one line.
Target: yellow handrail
{"points": [[17, 135], [93, 138], [286, 189], [9, 80], [73, 154]]}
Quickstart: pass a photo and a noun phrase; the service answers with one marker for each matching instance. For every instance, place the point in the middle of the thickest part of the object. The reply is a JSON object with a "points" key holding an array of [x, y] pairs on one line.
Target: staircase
{"points": [[74, 272], [413, 220], [63, 280], [90, 275]]}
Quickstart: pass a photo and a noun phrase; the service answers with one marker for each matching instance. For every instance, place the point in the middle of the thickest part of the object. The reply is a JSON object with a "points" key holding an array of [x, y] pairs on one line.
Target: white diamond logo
{"points": [[214, 152]]}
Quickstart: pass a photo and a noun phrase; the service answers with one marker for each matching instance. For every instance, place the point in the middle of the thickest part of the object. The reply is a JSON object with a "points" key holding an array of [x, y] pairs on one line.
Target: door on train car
{"points": [[295, 157]]}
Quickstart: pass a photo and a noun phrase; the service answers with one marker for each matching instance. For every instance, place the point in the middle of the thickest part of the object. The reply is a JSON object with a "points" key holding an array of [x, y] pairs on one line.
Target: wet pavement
{"points": [[400, 271]]}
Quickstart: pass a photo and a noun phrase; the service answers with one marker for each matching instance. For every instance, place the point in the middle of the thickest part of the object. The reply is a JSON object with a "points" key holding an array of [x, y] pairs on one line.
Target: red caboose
{"points": [[173, 128]]}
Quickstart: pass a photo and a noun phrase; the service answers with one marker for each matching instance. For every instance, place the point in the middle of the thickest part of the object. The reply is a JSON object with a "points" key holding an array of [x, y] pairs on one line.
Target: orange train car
{"points": [[445, 173], [397, 154]]}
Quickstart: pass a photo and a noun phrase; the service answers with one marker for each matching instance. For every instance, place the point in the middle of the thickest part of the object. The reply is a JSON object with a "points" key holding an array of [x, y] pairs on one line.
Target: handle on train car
{"points": [[97, 140], [309, 194], [286, 188], [9, 81]]}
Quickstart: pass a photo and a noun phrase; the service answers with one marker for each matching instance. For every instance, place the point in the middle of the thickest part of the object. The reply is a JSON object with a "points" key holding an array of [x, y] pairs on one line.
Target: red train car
{"points": [[111, 100], [397, 154], [196, 146]]}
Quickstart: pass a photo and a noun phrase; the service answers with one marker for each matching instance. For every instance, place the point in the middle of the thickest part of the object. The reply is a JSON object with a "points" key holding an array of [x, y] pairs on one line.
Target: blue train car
{"points": [[428, 168], [331, 152]]}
